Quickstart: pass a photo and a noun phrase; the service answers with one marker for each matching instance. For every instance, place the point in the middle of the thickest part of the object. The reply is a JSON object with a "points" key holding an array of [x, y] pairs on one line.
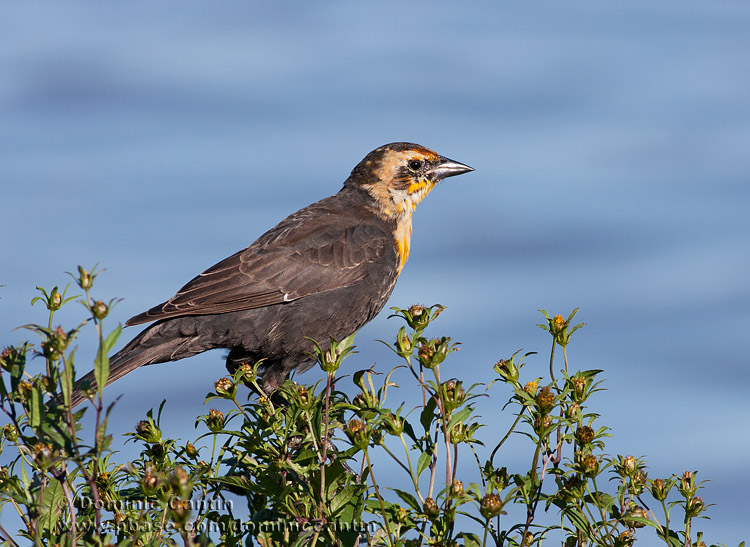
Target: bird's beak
{"points": [[447, 168]]}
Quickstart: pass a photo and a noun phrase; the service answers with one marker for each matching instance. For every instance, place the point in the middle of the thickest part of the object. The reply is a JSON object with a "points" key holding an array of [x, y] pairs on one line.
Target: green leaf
{"points": [[111, 339], [101, 370], [424, 462], [35, 408], [66, 379], [460, 416], [410, 500], [428, 414], [578, 519]]}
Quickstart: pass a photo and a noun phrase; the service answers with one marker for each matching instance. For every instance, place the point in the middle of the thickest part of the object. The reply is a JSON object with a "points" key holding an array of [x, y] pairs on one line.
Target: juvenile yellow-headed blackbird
{"points": [[323, 272]]}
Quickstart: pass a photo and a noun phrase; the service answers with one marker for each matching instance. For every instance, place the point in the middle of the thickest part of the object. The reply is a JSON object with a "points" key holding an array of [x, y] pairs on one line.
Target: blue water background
{"points": [[610, 142]]}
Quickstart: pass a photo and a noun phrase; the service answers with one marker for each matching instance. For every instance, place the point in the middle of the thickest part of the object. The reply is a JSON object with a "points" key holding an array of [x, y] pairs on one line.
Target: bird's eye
{"points": [[415, 165]]}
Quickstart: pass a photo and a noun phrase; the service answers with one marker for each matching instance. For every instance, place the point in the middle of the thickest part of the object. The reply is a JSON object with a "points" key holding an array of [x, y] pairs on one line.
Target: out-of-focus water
{"points": [[610, 143]]}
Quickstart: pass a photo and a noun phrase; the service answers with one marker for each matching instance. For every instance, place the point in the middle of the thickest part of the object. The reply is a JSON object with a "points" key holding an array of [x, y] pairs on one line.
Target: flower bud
{"points": [[55, 345], [180, 512], [157, 451], [10, 432], [119, 518], [432, 352], [42, 453], [417, 317], [542, 424], [660, 489], [694, 507], [530, 388], [245, 373], [99, 310], [147, 431], [215, 421], [572, 489], [578, 384], [190, 451], [500, 478], [430, 508], [457, 489], [11, 357], [393, 424], [638, 482], [545, 400], [588, 464], [358, 433], [573, 412], [426, 353], [584, 435], [24, 390], [181, 482], [454, 394], [557, 325], [225, 388], [507, 370], [149, 482], [635, 511], [102, 479], [403, 343], [490, 506], [629, 465], [85, 280], [687, 484], [625, 539], [459, 433]]}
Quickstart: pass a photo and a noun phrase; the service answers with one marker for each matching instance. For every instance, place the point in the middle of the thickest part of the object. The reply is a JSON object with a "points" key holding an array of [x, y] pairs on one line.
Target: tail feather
{"points": [[146, 348]]}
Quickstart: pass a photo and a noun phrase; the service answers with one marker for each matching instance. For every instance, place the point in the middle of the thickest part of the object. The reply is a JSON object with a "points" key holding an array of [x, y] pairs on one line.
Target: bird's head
{"points": [[399, 175]]}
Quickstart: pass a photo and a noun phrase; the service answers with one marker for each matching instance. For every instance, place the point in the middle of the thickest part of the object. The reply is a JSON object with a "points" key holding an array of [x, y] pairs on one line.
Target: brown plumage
{"points": [[323, 272]]}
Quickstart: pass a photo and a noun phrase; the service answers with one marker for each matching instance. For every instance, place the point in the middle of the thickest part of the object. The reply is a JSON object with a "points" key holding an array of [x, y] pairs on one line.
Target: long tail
{"points": [[156, 344]]}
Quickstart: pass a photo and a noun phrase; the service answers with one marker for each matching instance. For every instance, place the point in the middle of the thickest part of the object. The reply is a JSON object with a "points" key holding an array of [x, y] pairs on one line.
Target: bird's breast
{"points": [[402, 235]]}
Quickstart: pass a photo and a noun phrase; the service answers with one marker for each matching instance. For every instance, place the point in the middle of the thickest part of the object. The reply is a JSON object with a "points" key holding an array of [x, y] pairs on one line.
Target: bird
{"points": [[320, 274]]}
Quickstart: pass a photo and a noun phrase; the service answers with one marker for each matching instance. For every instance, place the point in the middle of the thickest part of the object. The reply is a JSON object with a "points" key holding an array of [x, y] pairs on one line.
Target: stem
{"points": [[518, 418], [411, 469], [433, 466], [324, 442], [71, 510], [98, 405], [380, 499], [552, 360], [7, 536], [666, 523], [395, 459], [444, 422], [531, 504], [601, 511]]}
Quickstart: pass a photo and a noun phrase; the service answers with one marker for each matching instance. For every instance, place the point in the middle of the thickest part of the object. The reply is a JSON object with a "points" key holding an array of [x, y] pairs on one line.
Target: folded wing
{"points": [[305, 254]]}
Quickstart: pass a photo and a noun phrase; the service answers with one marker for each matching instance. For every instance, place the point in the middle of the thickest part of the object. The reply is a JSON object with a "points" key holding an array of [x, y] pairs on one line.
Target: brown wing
{"points": [[305, 254]]}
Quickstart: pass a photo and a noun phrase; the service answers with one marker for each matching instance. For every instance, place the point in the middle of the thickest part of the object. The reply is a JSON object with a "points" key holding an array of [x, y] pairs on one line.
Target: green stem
{"points": [[551, 361], [505, 438], [601, 511], [666, 523], [411, 468], [324, 457], [380, 498]]}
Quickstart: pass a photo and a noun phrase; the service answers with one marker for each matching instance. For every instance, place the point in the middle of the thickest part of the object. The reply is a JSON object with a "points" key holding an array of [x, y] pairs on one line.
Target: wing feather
{"points": [[283, 265]]}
